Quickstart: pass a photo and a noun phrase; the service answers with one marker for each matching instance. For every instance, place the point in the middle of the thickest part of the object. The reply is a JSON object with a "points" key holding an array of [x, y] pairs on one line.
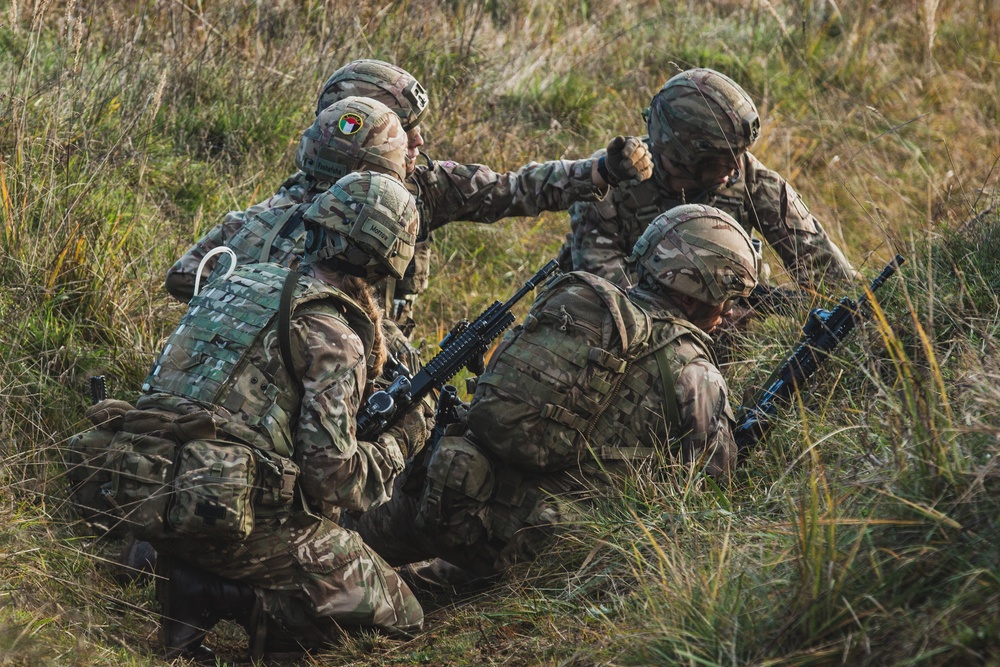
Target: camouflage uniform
{"points": [[353, 134], [700, 126], [299, 189], [445, 191], [312, 576], [489, 513], [604, 232], [593, 383]]}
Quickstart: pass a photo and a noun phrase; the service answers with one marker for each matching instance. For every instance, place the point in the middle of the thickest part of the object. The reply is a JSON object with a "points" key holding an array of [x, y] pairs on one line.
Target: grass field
{"points": [[864, 531]]}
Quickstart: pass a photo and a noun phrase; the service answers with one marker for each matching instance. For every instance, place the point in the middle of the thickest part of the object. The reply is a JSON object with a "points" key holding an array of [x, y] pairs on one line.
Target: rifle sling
{"points": [[285, 320]]}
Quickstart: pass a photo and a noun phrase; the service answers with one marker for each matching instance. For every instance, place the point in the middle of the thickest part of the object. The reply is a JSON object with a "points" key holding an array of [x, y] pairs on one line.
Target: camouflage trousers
{"points": [[315, 579], [484, 531]]}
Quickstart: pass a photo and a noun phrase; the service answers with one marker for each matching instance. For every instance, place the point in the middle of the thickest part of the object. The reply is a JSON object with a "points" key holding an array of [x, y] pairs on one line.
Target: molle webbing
{"points": [[221, 325], [275, 235], [625, 424], [210, 356]]}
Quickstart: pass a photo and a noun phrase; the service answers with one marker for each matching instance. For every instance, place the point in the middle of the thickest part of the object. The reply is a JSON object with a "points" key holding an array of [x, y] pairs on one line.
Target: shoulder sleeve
{"points": [[597, 242], [451, 191], [795, 234], [706, 418], [337, 470]]}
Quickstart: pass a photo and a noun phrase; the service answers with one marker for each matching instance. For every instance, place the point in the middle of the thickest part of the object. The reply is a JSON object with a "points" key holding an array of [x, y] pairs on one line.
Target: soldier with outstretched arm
{"points": [[445, 191], [701, 125]]}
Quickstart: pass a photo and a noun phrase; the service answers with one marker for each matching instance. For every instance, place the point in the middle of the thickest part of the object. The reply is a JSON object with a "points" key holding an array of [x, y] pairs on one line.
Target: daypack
{"points": [[206, 452], [583, 349]]}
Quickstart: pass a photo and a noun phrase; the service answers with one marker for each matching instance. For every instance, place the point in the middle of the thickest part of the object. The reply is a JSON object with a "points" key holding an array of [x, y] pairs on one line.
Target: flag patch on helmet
{"points": [[350, 123]]}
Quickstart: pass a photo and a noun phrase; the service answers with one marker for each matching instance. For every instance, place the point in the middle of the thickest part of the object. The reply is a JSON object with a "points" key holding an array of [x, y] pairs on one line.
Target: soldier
{"points": [[594, 382], [354, 134], [252, 403], [700, 125], [447, 191]]}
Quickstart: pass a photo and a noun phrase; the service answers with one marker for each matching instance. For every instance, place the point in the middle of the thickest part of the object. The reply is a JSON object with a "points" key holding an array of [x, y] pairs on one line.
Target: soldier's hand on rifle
{"points": [[413, 429], [627, 159]]}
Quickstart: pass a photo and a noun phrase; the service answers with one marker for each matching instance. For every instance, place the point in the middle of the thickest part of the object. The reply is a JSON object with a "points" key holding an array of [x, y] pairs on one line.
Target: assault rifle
{"points": [[463, 345], [98, 389], [823, 332]]}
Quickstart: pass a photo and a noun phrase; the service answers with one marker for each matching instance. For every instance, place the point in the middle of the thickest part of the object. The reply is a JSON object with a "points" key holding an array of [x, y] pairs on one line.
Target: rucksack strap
{"points": [[669, 388], [279, 226]]}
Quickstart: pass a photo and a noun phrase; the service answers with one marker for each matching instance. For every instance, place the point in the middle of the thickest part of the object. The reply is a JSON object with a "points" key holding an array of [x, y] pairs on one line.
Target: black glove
{"points": [[627, 159]]}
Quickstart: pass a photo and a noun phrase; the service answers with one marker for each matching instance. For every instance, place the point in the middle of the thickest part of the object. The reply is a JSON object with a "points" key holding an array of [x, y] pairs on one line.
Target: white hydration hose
{"points": [[212, 253]]}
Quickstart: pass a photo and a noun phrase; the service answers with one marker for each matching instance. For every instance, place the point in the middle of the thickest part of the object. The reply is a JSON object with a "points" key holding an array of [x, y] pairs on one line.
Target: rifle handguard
{"points": [[822, 333]]}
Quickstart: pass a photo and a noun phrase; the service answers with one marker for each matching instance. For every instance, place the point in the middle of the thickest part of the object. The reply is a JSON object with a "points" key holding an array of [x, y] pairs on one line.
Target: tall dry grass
{"points": [[863, 531]]}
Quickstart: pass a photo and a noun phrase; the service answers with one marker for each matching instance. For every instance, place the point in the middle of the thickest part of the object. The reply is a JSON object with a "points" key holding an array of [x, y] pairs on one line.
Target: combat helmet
{"points": [[367, 221], [391, 85], [353, 134], [700, 115], [698, 251]]}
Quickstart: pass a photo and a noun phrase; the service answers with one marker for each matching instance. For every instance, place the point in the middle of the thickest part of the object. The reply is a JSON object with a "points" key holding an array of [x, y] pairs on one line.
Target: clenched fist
{"points": [[627, 159]]}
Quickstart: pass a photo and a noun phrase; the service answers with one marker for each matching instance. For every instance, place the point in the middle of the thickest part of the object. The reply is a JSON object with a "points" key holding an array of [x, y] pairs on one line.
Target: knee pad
{"points": [[454, 506]]}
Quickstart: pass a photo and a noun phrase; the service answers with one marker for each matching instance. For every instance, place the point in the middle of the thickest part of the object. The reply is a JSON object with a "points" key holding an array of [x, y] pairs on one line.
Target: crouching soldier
{"points": [[241, 451], [595, 380]]}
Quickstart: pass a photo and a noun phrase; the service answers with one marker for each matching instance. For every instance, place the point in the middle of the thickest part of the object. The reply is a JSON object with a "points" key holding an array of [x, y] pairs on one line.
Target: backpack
{"points": [[550, 380]]}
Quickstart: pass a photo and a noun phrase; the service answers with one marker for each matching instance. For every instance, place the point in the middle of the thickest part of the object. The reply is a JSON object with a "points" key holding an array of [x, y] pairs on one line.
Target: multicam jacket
{"points": [[445, 191], [225, 355], [604, 232]]}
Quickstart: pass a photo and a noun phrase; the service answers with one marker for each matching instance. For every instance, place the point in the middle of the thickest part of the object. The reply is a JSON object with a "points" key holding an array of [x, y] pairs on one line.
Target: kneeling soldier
{"points": [[596, 380], [242, 450]]}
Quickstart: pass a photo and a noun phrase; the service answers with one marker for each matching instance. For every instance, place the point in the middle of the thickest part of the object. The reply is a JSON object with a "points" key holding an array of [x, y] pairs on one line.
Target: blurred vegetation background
{"points": [[864, 531]]}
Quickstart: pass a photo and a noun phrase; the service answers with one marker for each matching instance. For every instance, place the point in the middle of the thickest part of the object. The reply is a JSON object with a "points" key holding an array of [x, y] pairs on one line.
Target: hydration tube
{"points": [[212, 253]]}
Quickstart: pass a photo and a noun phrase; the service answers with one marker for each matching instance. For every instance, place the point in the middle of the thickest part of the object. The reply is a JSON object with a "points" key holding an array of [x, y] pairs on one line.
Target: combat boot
{"points": [[137, 563], [439, 576], [193, 601]]}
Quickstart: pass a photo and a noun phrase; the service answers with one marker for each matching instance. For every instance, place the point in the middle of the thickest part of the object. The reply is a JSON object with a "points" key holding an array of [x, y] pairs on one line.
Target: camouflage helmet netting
{"points": [[353, 134], [369, 218], [698, 251], [391, 85], [701, 114]]}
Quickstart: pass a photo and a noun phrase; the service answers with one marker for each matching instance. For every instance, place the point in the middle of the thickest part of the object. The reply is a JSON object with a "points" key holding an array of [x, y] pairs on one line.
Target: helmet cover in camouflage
{"points": [[698, 251], [391, 85], [699, 115], [366, 219], [353, 134]]}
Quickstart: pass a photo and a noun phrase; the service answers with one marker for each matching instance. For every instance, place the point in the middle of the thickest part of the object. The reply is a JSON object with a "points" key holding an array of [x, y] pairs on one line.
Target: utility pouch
{"points": [[278, 475], [213, 490], [142, 467], [89, 478]]}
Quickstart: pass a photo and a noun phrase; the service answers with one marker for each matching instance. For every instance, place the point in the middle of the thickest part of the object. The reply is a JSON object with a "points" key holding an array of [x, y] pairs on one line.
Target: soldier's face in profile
{"points": [[706, 317], [703, 174], [718, 170], [414, 141]]}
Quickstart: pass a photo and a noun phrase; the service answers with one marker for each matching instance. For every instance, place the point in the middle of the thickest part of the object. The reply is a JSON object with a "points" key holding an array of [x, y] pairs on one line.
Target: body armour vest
{"points": [[638, 203], [276, 235], [219, 354], [590, 374]]}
